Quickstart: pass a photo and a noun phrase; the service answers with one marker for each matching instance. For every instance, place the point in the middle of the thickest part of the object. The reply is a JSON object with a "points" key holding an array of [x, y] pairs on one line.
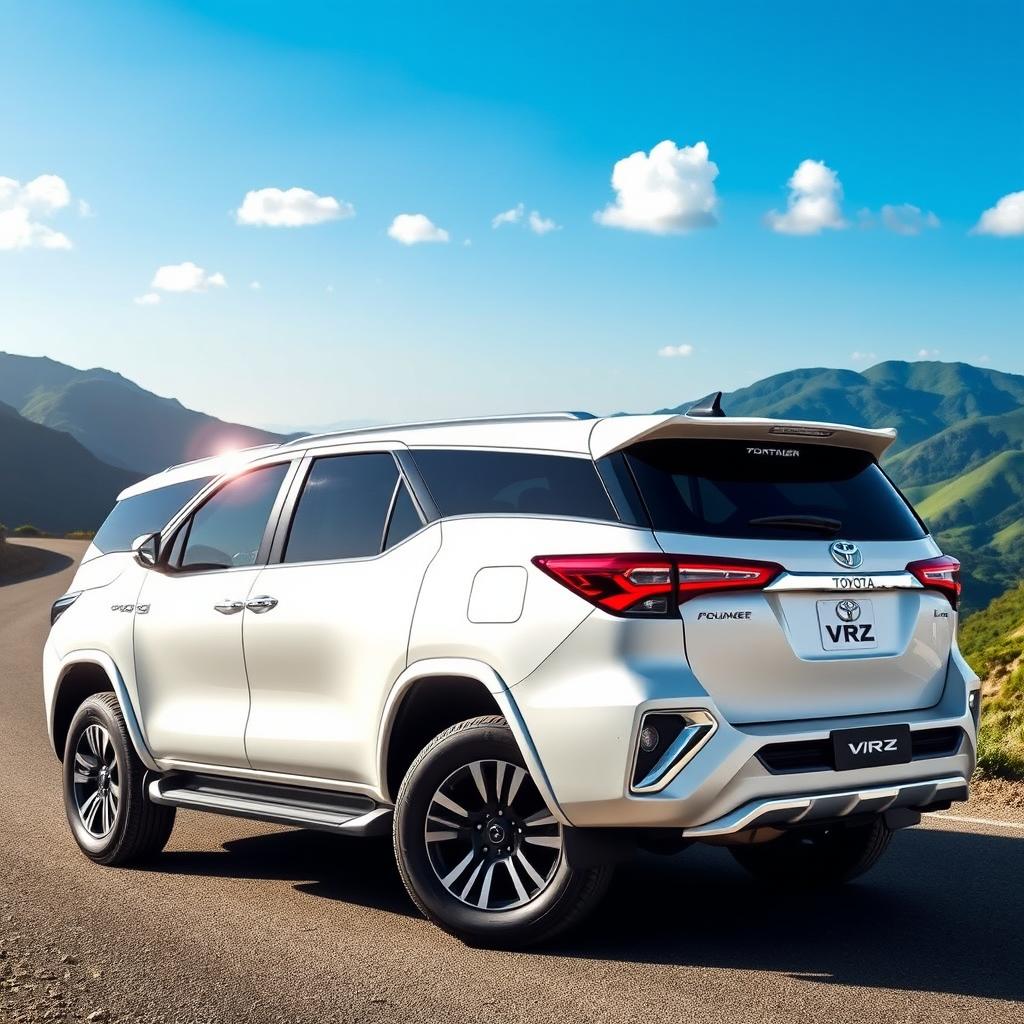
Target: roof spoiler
{"points": [[710, 405]]}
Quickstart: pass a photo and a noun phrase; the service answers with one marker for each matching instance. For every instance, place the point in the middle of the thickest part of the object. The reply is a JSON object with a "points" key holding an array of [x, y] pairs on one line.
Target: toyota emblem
{"points": [[848, 610], [846, 554]]}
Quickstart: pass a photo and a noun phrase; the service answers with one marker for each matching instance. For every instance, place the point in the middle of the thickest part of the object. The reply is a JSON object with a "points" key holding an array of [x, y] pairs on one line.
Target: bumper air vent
{"points": [[816, 755]]}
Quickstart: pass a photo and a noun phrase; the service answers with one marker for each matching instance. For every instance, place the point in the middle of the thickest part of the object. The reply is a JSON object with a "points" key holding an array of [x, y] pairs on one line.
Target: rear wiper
{"points": [[820, 524]]}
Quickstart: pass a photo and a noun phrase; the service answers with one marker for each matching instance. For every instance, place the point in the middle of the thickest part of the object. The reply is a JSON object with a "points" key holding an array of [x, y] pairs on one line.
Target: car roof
{"points": [[568, 432], [582, 433]]}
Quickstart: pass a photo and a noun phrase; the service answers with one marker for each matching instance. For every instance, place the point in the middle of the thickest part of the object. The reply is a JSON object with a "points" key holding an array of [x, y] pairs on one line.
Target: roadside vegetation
{"points": [[993, 643]]}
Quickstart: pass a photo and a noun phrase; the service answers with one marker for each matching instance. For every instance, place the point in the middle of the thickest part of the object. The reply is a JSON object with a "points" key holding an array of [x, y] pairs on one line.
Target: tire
{"points": [[816, 857], [119, 825], [482, 901]]}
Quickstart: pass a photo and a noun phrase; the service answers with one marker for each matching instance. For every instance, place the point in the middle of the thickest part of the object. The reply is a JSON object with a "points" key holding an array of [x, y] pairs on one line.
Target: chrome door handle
{"points": [[227, 607], [261, 604]]}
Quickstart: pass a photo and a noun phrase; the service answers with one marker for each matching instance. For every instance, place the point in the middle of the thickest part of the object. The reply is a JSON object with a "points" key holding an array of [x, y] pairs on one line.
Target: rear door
{"points": [[844, 628], [327, 623]]}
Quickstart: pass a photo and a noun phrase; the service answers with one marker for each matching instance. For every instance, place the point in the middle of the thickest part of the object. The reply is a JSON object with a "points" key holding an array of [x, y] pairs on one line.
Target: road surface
{"points": [[246, 922]]}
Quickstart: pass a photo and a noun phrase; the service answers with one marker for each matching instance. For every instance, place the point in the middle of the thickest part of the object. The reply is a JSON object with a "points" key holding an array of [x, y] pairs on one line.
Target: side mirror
{"points": [[147, 549]]}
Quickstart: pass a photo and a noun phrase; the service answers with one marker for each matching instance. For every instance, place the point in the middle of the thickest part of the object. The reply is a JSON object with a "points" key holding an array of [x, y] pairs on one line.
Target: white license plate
{"points": [[847, 625]]}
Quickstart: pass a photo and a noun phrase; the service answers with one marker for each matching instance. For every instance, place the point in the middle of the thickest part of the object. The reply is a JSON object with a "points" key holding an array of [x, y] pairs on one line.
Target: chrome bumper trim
{"points": [[797, 810]]}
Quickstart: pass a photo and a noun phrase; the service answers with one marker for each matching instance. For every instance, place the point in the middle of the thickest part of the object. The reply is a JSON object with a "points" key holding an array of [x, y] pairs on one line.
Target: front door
{"points": [[188, 625]]}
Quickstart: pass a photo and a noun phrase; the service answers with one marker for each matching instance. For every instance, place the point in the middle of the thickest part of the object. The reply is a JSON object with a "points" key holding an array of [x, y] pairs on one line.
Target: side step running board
{"points": [[347, 813]]}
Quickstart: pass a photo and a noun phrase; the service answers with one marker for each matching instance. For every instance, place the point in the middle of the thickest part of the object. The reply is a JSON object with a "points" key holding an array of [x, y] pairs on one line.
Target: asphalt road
{"points": [[246, 922]]}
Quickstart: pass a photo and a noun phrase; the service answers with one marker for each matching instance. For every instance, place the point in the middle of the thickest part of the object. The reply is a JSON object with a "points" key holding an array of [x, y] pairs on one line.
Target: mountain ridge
{"points": [[120, 422]]}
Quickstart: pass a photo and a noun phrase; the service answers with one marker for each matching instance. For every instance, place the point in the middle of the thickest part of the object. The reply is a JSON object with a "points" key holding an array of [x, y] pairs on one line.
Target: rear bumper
{"points": [[584, 705]]}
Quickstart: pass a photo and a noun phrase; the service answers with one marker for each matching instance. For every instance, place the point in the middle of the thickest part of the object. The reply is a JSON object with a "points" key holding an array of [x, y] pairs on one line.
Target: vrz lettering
{"points": [[851, 633], [872, 746]]}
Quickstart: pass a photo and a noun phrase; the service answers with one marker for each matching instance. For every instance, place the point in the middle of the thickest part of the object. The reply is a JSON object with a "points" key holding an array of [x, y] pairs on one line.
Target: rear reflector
{"points": [[645, 585], [941, 573]]}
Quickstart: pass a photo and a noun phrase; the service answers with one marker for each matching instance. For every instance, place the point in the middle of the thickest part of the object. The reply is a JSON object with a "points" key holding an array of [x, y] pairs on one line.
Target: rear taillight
{"points": [[652, 585], [941, 573]]}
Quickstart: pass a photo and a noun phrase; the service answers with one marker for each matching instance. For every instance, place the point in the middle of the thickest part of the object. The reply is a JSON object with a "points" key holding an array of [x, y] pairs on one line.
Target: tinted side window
{"points": [[488, 482], [343, 508], [769, 491], [405, 520], [227, 530], [145, 513]]}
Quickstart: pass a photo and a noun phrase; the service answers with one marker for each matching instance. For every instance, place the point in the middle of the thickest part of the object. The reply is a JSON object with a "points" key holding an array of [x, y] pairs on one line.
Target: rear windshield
{"points": [[492, 482], [769, 491], [144, 513]]}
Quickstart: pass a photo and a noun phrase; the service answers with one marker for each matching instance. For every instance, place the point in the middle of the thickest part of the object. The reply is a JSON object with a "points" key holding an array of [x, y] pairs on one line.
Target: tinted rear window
{"points": [[718, 488], [145, 513], [489, 482]]}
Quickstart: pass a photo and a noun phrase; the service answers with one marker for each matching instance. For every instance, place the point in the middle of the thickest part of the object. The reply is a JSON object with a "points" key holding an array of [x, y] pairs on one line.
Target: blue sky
{"points": [[163, 116]]}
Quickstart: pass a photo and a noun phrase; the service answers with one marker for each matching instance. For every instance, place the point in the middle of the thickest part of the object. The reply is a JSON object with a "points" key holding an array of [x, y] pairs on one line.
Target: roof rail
{"points": [[461, 421], [207, 458]]}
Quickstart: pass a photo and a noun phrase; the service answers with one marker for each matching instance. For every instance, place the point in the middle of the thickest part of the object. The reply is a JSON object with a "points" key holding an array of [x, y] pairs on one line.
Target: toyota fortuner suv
{"points": [[524, 646]]}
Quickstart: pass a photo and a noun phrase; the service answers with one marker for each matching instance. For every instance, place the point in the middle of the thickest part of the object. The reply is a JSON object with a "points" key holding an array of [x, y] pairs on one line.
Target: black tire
{"points": [[138, 829], [567, 894], [823, 856]]}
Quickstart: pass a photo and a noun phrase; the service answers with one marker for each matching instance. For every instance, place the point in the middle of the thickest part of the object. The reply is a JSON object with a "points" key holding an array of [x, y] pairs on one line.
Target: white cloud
{"points": [[412, 228], [907, 219], [985, 360], [673, 351], [813, 203], [542, 225], [85, 209], [21, 206], [149, 299], [928, 353], [517, 215], [1005, 219], [186, 277], [290, 208], [513, 216], [668, 191], [255, 286], [863, 357]]}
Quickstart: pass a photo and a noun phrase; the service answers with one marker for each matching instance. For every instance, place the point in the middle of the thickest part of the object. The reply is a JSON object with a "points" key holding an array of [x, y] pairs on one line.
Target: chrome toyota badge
{"points": [[845, 553]]}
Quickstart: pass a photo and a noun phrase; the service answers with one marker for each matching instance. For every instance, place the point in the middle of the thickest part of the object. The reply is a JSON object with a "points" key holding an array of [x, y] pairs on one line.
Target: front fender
{"points": [[103, 661]]}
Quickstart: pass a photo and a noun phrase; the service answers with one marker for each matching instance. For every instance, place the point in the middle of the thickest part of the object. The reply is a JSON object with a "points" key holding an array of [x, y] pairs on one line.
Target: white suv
{"points": [[525, 646]]}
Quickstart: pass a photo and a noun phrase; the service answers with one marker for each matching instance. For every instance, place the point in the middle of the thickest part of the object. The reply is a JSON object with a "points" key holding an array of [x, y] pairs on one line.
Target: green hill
{"points": [[993, 643], [48, 479], [118, 421]]}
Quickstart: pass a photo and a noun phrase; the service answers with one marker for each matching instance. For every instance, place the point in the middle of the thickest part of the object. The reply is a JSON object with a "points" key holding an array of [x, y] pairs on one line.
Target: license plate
{"points": [[869, 748], [847, 625]]}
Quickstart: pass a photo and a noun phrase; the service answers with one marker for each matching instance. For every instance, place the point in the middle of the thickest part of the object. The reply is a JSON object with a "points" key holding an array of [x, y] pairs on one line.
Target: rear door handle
{"points": [[227, 607], [261, 604]]}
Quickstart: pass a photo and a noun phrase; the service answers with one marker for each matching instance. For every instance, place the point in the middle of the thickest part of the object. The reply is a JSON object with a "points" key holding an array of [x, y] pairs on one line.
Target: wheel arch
{"points": [[82, 674], [434, 694]]}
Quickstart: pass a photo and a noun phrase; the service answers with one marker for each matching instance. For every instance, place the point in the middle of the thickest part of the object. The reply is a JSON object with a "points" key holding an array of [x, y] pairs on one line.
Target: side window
{"points": [[145, 513], [343, 508], [227, 530], [405, 520], [488, 482]]}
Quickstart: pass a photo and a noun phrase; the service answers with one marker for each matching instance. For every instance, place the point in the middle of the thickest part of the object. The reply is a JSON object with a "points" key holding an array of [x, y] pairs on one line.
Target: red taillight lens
{"points": [[645, 585], [621, 584], [697, 576], [941, 573]]}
